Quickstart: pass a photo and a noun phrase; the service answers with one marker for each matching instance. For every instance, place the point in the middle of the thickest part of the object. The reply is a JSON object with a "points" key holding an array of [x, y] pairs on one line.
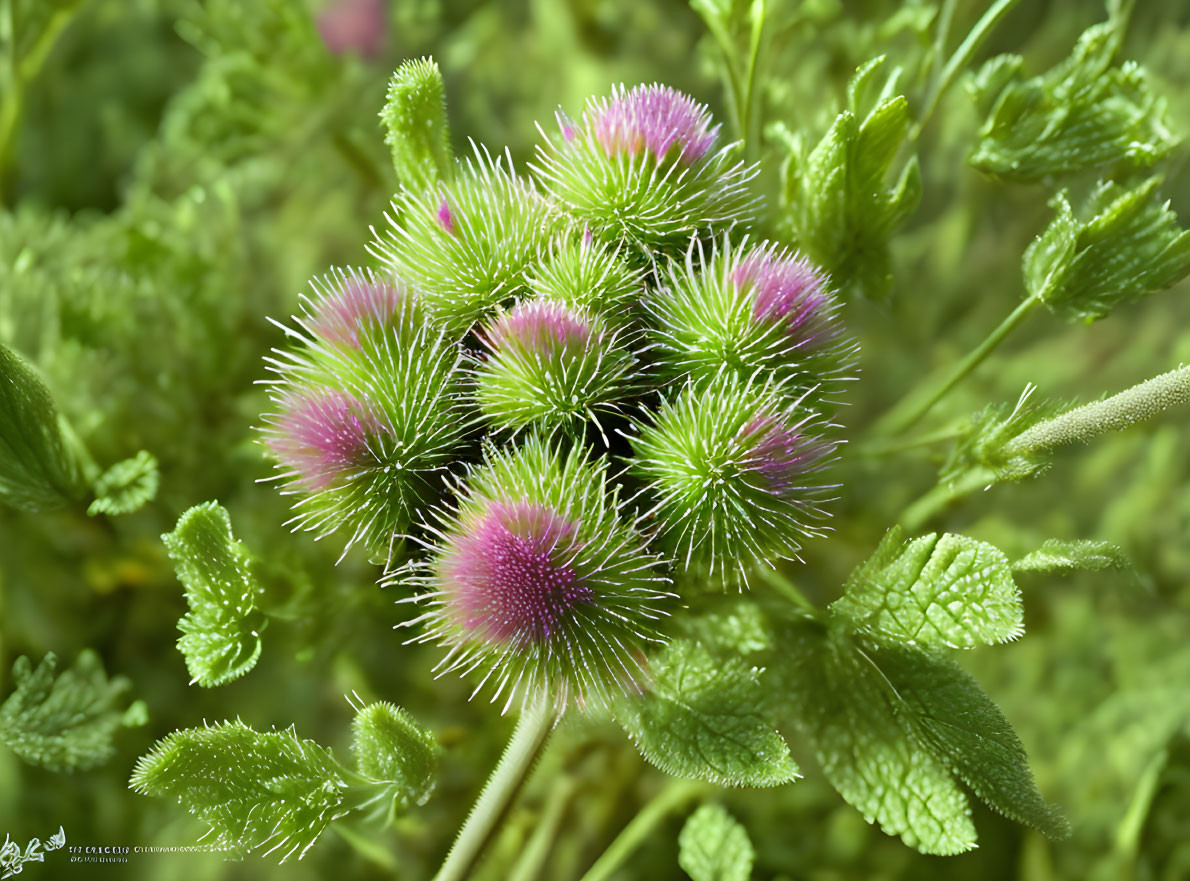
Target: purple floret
{"points": [[339, 316], [655, 118], [539, 326], [790, 292], [780, 454], [323, 434]]}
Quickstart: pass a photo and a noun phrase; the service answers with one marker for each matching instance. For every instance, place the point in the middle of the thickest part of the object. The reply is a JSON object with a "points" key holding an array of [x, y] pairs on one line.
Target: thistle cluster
{"points": [[564, 402]]}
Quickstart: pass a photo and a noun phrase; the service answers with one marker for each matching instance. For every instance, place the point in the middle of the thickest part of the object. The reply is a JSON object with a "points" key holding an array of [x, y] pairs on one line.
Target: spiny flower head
{"points": [[730, 466], [536, 582], [551, 365], [467, 243], [583, 272], [746, 309], [640, 168], [367, 410]]}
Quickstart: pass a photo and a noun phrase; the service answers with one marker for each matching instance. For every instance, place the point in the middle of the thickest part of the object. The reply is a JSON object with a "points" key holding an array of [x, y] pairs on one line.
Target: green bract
{"points": [[582, 272]]}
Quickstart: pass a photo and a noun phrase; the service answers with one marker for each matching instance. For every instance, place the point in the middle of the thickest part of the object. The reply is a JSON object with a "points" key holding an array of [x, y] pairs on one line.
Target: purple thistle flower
{"points": [[445, 218], [539, 326], [780, 455], [322, 434], [655, 118], [507, 577], [353, 26], [788, 291], [343, 309]]}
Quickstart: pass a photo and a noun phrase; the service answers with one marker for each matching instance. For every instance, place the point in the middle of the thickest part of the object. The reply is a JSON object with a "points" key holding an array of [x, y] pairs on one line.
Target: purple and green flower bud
{"points": [[537, 584], [748, 309], [641, 168], [585, 273], [733, 473], [553, 366], [352, 302], [468, 243]]}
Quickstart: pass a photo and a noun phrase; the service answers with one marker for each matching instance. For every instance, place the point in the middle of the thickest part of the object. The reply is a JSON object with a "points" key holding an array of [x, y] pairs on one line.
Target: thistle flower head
{"points": [[350, 302], [588, 274], [640, 168], [731, 468], [551, 365], [746, 309], [467, 244], [537, 583]]}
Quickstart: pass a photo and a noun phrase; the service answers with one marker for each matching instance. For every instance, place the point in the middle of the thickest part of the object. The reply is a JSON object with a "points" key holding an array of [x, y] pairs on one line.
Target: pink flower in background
{"points": [[354, 26], [655, 118]]}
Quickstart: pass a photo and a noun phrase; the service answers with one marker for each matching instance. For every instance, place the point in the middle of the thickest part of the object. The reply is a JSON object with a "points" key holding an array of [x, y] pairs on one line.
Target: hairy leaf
{"points": [[1128, 246], [414, 118], [713, 846], [391, 747], [936, 590], [1087, 555], [868, 748], [221, 633], [706, 719], [266, 793], [126, 487], [65, 721]]}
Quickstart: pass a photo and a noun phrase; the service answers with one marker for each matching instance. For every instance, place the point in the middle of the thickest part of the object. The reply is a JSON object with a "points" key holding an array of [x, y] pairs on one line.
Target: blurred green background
{"points": [[172, 172]]}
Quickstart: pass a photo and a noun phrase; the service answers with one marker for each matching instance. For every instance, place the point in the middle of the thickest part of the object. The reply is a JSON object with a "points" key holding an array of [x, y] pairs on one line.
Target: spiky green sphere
{"points": [[552, 366], [641, 168], [583, 272], [367, 410], [731, 469], [468, 243], [535, 581]]}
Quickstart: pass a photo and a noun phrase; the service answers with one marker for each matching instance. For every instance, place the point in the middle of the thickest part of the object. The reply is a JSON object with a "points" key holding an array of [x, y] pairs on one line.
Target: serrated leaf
{"points": [[867, 747], [391, 747], [706, 719], [414, 118], [260, 792], [713, 846], [1085, 112], [38, 469], [1128, 246], [955, 716], [65, 721], [126, 487], [1087, 555], [946, 590], [221, 633]]}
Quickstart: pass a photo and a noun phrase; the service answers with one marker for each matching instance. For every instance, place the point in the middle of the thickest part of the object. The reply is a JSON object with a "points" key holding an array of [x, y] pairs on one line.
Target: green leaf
{"points": [[66, 721], [414, 118], [954, 715], [221, 633], [946, 590], [126, 487], [1130, 245], [713, 846], [868, 748], [267, 792], [706, 718], [391, 747], [38, 469], [1084, 113], [836, 201], [1086, 555]]}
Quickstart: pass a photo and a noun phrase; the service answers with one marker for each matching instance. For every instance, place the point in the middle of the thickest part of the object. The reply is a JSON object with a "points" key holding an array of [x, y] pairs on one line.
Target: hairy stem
{"points": [[1085, 423], [528, 739], [914, 406], [671, 797]]}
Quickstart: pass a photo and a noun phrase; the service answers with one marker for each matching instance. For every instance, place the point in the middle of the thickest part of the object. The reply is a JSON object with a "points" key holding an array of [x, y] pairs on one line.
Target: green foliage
{"points": [[65, 721], [38, 468], [416, 130], [935, 590], [835, 201], [713, 846], [126, 487], [221, 632], [705, 718], [265, 793], [1128, 245], [390, 746], [1084, 113], [1083, 555]]}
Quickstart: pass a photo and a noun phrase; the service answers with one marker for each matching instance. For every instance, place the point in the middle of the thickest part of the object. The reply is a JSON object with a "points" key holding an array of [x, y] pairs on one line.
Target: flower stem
{"points": [[533, 856], [914, 406], [528, 739], [671, 797]]}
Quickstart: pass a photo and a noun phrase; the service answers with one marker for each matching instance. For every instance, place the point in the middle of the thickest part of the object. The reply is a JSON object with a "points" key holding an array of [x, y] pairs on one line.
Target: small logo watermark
{"points": [[13, 859]]}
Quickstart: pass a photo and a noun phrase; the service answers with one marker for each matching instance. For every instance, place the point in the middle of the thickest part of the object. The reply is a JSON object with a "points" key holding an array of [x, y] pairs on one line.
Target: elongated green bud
{"points": [[416, 130]]}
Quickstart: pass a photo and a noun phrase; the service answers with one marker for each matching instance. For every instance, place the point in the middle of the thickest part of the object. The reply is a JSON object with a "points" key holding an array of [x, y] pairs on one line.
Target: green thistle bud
{"points": [[535, 581], [730, 466], [583, 272], [467, 244], [641, 168], [367, 410], [551, 365]]}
